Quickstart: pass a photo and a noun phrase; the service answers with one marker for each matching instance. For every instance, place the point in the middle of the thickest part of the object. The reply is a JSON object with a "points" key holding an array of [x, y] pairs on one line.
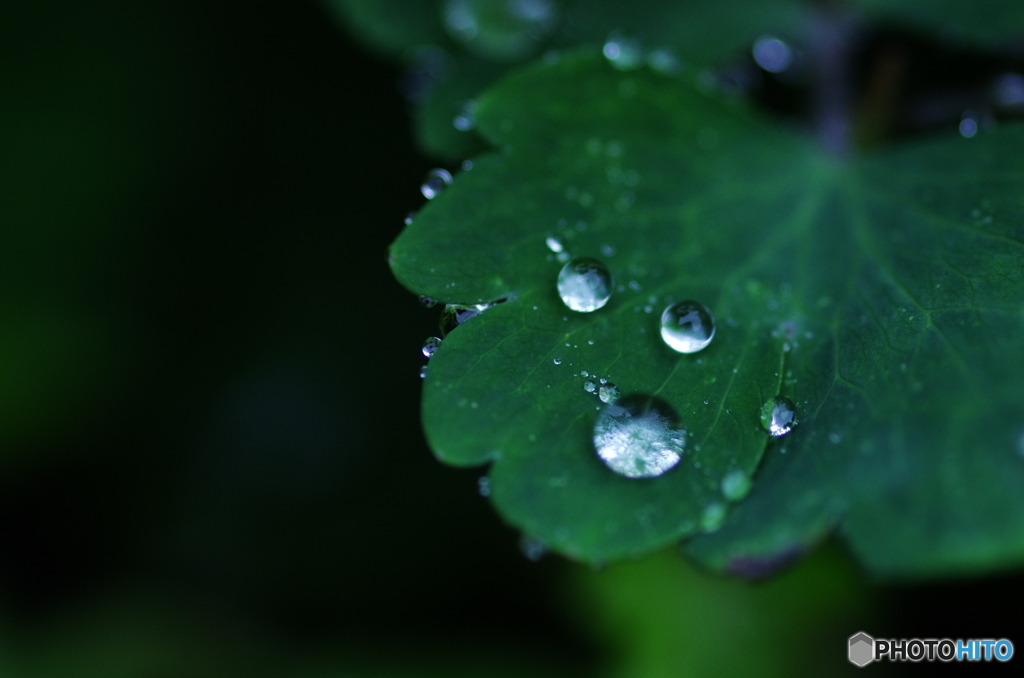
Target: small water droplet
{"points": [[427, 302], [554, 244], [483, 486], [430, 346], [437, 180], [585, 284], [735, 485], [607, 250], [712, 517], [423, 372], [465, 121], [584, 373], [558, 361], [608, 393], [968, 125], [589, 386], [590, 341], [778, 415], [467, 165], [532, 548], [835, 438], [772, 54], [623, 53], [687, 326], [639, 437], [500, 30], [409, 217]]}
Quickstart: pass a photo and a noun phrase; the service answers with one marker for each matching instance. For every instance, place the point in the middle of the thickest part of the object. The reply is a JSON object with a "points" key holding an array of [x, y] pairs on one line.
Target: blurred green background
{"points": [[211, 461]]}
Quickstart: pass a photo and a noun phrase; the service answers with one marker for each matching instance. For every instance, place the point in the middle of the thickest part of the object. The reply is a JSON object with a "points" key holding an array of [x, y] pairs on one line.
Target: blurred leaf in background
{"points": [[212, 459]]}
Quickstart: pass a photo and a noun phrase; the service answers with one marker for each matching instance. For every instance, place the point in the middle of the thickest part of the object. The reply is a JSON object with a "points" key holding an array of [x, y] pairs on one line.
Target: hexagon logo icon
{"points": [[862, 649]]}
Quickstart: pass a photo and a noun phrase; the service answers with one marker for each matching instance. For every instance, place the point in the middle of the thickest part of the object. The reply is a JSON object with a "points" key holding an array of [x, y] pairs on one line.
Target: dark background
{"points": [[210, 454]]}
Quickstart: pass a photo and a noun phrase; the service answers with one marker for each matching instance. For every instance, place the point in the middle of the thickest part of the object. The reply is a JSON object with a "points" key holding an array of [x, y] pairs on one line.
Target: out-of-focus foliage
{"points": [[455, 48], [661, 617]]}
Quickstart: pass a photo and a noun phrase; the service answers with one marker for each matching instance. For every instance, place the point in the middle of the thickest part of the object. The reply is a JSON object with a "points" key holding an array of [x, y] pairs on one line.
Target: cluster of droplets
{"points": [[634, 444]]}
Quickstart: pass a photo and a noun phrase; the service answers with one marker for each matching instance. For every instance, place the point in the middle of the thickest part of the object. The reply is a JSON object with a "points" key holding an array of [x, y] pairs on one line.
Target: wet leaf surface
{"points": [[882, 295]]}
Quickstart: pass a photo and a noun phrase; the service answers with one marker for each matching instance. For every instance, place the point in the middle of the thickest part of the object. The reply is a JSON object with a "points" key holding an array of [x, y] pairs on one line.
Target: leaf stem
{"points": [[833, 36]]}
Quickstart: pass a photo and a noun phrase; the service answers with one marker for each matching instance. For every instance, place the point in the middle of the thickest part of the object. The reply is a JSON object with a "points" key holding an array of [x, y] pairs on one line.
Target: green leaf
{"points": [[667, 32], [984, 21], [883, 295]]}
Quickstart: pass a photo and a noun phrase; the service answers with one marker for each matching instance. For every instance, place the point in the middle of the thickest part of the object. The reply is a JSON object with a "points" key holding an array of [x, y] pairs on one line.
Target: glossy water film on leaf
{"points": [[687, 326], [437, 180], [585, 284], [778, 415], [639, 436]]}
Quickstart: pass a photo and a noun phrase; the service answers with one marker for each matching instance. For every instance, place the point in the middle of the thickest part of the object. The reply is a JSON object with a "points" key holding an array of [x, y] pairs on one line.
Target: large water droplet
{"points": [[735, 485], [687, 326], [585, 284], [778, 415], [639, 437], [435, 183], [430, 346]]}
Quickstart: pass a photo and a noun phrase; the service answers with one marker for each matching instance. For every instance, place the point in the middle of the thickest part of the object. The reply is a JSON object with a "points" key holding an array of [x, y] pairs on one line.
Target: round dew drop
{"points": [[585, 284], [687, 326], [735, 485], [430, 347], [778, 415], [437, 180], [639, 437]]}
